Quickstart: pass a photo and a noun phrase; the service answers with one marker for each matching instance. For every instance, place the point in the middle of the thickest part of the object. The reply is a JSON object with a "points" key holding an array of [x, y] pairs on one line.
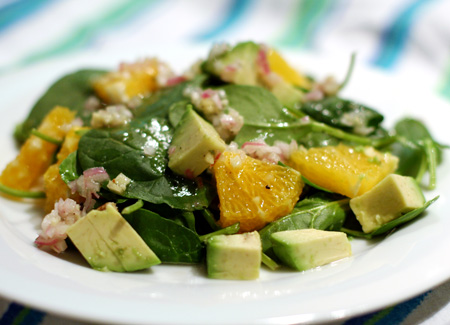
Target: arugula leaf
{"points": [[70, 91], [320, 211], [392, 224], [171, 242]]}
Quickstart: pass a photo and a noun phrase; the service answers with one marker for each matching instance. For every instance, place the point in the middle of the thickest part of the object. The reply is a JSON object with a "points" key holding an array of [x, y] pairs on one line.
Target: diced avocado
{"points": [[287, 94], [305, 249], [237, 65], [234, 257], [194, 146], [108, 242], [386, 201]]}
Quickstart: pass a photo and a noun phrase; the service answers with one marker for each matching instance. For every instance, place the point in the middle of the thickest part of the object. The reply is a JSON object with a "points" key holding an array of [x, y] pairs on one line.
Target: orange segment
{"points": [[36, 154], [343, 169], [54, 187], [285, 71], [131, 80], [254, 192]]}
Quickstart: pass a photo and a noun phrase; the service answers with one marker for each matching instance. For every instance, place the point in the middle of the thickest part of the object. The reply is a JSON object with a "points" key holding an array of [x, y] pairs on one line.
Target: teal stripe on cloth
{"points": [[395, 37], [444, 90], [85, 34], [305, 22], [17, 315], [235, 12], [393, 315], [13, 12]]}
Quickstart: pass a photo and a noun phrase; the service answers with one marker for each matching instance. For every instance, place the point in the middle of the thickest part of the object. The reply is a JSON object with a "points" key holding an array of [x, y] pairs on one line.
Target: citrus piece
{"points": [[278, 65], [130, 81], [343, 169], [254, 192], [36, 154], [55, 188]]}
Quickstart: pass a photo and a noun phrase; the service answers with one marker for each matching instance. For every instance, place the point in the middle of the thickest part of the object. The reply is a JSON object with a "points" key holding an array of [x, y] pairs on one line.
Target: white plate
{"points": [[380, 273]]}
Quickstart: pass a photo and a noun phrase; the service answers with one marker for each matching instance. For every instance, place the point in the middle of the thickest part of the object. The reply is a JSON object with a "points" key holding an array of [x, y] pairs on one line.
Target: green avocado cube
{"points": [[108, 242], [386, 201], [305, 249], [234, 257], [194, 146]]}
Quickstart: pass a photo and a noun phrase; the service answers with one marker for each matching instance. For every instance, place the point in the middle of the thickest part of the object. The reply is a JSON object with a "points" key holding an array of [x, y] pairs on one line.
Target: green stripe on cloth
{"points": [[84, 34], [305, 22]]}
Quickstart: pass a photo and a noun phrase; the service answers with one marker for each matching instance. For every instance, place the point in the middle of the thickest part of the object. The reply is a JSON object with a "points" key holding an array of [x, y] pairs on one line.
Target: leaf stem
{"points": [[431, 153], [21, 193], [46, 137], [270, 263], [133, 207], [349, 71], [230, 230]]}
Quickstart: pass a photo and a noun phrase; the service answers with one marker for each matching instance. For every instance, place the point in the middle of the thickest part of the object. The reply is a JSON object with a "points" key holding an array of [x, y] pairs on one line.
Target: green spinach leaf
{"points": [[68, 169], [344, 114], [171, 242], [70, 91]]}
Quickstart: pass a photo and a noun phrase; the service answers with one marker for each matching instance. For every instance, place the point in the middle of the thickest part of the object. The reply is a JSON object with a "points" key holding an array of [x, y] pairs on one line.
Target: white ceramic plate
{"points": [[380, 273]]}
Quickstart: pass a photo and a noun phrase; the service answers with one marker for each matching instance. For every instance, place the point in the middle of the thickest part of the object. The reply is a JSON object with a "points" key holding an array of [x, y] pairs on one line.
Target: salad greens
{"points": [[176, 215]]}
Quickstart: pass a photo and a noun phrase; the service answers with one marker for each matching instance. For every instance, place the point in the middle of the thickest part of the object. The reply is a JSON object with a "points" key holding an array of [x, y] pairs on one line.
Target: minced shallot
{"points": [[55, 224], [88, 185]]}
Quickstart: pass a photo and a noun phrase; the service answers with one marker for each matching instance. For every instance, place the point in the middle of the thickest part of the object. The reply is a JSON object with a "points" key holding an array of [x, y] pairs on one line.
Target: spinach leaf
{"points": [[392, 224], [320, 211], [265, 117], [344, 114], [70, 91], [175, 191], [418, 152], [171, 242], [68, 169], [122, 151], [159, 103]]}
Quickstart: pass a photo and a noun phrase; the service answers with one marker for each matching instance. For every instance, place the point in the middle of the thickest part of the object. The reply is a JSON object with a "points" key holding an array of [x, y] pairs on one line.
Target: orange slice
{"points": [[342, 169], [253, 192]]}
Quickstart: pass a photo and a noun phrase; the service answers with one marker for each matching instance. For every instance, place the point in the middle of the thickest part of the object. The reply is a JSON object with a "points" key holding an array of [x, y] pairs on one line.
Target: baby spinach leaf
{"points": [[171, 242], [70, 91], [384, 229], [158, 104], [68, 169], [123, 150], [418, 152], [173, 190], [344, 114], [320, 211]]}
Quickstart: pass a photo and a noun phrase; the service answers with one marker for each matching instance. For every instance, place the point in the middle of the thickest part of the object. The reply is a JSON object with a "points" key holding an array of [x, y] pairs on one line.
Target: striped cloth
{"points": [[406, 37]]}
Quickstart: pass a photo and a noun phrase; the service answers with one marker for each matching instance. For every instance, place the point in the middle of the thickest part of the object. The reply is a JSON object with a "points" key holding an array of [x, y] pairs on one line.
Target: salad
{"points": [[240, 158]]}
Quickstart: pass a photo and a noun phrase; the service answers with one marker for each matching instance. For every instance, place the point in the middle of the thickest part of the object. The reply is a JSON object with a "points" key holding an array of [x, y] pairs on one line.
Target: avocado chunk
{"points": [[195, 144], [237, 65], [386, 201], [108, 242], [305, 249], [234, 257]]}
